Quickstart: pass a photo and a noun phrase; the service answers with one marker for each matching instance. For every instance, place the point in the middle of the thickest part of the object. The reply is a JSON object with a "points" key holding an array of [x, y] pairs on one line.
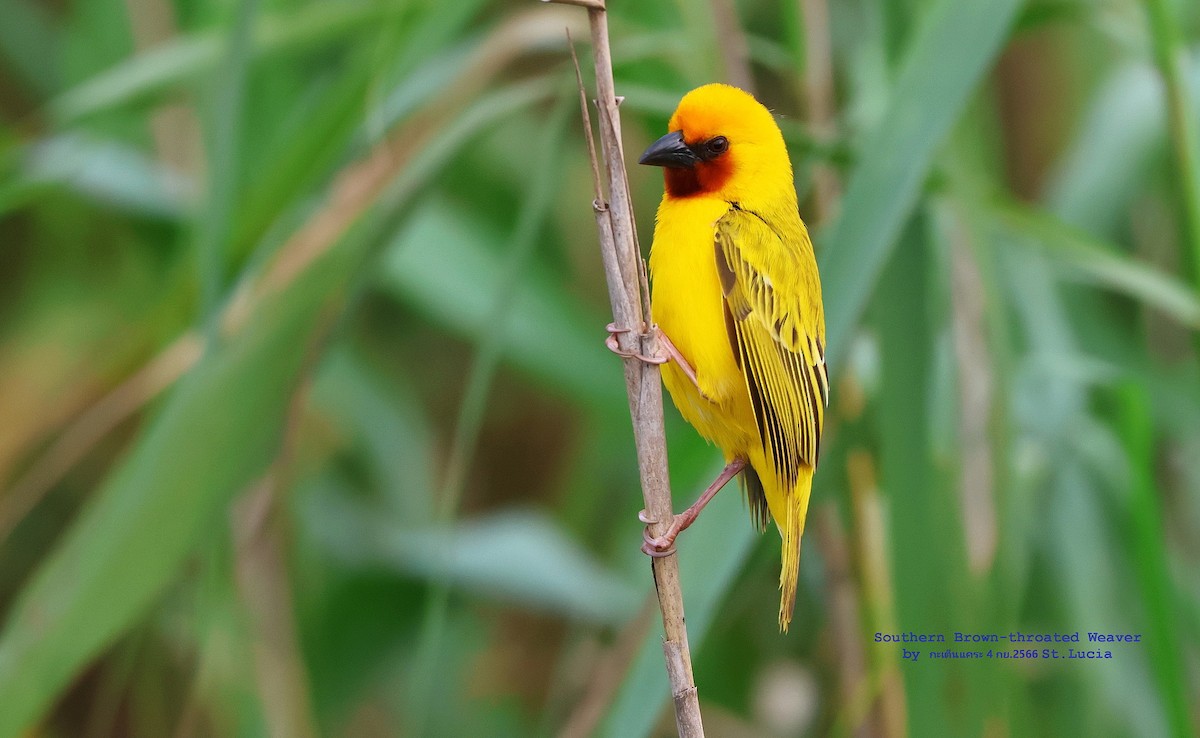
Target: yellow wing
{"points": [[777, 328]]}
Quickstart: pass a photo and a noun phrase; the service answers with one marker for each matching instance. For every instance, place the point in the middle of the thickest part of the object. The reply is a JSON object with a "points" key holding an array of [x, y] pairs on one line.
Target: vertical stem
{"points": [[471, 411], [226, 126], [266, 596], [625, 274], [1153, 568], [1171, 56], [819, 102], [732, 45]]}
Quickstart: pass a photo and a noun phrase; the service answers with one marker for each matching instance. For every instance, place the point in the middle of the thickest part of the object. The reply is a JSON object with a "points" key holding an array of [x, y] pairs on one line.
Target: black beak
{"points": [[670, 151]]}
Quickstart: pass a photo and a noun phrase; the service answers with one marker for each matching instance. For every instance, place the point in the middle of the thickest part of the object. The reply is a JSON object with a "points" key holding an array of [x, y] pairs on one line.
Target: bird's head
{"points": [[722, 143]]}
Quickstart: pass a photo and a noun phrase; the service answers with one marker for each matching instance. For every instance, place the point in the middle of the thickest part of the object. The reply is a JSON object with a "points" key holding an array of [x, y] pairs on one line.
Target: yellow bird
{"points": [[737, 300]]}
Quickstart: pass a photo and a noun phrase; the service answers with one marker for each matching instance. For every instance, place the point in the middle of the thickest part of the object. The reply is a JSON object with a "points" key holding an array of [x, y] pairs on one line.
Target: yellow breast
{"points": [[686, 303]]}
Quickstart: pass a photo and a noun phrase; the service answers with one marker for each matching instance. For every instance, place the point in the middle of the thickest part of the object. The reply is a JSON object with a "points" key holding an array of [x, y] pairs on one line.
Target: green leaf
{"points": [[1164, 649], [334, 124], [1109, 159], [1080, 254], [130, 542], [110, 172], [956, 44], [1111, 156], [387, 425], [29, 42], [444, 248], [223, 127], [922, 505], [522, 557], [185, 59], [154, 509]]}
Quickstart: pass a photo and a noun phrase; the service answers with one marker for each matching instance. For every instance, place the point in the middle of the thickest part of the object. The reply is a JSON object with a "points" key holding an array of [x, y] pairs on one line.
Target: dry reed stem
{"points": [[625, 275], [605, 675], [732, 45], [819, 100], [976, 477], [886, 683], [94, 424], [268, 603], [845, 613], [264, 587]]}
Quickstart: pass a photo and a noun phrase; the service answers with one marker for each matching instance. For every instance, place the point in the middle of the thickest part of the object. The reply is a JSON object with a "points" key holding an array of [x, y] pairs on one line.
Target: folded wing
{"points": [[777, 329]]}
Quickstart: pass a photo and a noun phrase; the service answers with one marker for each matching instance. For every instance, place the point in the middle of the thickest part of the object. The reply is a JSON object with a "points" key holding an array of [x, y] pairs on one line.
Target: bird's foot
{"points": [[665, 351], [664, 545], [613, 346]]}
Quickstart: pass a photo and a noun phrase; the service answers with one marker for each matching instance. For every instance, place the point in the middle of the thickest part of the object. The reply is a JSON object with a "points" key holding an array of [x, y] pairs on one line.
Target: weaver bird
{"points": [[737, 301]]}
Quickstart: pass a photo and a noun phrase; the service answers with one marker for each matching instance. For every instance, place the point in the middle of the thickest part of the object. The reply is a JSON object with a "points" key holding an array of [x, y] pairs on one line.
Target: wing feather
{"points": [[777, 331]]}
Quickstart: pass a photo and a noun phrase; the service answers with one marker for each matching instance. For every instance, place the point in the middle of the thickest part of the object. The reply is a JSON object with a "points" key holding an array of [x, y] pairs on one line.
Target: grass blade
{"points": [[152, 511], [1153, 562], [1094, 262], [1172, 59], [184, 60], [29, 42], [155, 507], [954, 46]]}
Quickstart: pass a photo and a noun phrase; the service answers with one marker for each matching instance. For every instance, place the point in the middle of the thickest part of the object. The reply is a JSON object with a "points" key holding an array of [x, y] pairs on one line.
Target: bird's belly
{"points": [[688, 305]]}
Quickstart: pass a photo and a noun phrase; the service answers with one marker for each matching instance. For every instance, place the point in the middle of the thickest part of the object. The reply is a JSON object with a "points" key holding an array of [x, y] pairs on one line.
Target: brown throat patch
{"points": [[706, 178]]}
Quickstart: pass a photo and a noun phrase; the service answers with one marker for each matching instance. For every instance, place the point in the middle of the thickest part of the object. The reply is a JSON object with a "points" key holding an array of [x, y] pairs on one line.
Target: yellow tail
{"points": [[791, 527]]}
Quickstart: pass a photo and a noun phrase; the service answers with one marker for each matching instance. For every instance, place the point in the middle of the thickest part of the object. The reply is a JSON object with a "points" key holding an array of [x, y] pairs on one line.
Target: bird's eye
{"points": [[718, 145]]}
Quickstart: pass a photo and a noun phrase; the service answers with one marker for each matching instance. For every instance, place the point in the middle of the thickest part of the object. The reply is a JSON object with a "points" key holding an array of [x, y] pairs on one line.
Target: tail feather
{"points": [[756, 498], [792, 528]]}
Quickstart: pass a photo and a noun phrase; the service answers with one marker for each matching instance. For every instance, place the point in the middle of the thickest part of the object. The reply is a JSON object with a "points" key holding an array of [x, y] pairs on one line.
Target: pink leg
{"points": [[664, 545], [665, 341], [666, 346]]}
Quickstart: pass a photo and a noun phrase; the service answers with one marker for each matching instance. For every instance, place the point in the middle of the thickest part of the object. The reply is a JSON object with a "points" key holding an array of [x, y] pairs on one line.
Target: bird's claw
{"points": [[657, 548], [613, 346], [661, 546]]}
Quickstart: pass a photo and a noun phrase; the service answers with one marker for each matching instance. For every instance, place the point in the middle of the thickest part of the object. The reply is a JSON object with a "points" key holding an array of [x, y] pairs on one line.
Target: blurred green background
{"points": [[306, 427]]}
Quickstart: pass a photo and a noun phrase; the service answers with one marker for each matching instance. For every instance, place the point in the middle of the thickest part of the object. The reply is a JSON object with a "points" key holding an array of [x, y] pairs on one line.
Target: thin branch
{"points": [[624, 272], [267, 598], [968, 322], [597, 189], [174, 126]]}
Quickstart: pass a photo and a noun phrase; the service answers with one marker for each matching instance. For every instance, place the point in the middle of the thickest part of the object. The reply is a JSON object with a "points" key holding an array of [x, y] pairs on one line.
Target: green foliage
{"points": [[395, 494]]}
